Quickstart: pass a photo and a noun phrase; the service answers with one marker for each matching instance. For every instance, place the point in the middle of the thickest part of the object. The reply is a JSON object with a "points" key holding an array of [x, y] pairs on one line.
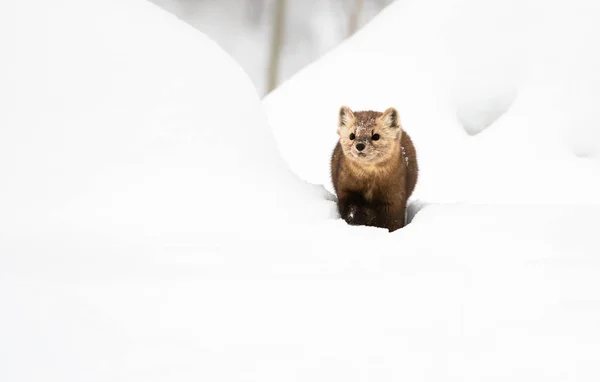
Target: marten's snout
{"points": [[360, 146]]}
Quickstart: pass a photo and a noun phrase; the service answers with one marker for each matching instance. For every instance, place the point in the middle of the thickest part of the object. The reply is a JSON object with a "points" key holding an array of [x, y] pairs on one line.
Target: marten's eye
{"points": [[375, 137], [352, 136]]}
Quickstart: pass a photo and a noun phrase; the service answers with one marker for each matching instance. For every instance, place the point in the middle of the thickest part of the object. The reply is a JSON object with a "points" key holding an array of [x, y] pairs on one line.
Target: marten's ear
{"points": [[390, 118], [345, 116]]}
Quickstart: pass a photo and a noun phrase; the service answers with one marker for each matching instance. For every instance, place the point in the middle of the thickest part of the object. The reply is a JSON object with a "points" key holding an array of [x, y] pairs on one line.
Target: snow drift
{"points": [[118, 115], [121, 261], [499, 97]]}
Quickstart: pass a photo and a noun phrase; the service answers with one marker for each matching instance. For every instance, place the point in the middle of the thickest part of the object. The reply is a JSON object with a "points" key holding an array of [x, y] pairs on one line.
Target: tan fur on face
{"points": [[364, 124]]}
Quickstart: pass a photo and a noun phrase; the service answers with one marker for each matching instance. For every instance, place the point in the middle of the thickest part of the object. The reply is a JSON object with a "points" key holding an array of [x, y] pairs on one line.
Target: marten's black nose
{"points": [[360, 146]]}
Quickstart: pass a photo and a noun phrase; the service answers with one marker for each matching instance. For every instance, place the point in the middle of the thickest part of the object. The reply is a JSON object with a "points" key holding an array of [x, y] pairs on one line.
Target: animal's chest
{"points": [[370, 191], [372, 188], [377, 184]]}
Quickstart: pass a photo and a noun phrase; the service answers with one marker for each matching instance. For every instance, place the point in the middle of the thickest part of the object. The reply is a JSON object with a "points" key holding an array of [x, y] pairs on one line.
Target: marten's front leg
{"points": [[391, 216], [355, 210]]}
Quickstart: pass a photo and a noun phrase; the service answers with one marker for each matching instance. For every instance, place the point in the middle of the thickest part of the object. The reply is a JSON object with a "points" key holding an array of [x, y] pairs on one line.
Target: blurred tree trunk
{"points": [[255, 10], [355, 16], [276, 44]]}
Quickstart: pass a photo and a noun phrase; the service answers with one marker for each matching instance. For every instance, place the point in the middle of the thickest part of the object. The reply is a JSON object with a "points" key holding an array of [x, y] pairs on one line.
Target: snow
{"points": [[145, 232], [479, 98], [135, 129], [243, 29], [377, 306]]}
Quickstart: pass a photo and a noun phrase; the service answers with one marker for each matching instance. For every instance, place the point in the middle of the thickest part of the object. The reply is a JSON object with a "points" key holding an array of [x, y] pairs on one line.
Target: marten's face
{"points": [[369, 137]]}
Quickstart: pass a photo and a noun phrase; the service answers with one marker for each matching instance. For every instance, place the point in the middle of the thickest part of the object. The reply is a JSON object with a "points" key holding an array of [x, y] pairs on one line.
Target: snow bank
{"points": [[499, 97], [493, 298], [119, 118], [243, 29], [120, 260]]}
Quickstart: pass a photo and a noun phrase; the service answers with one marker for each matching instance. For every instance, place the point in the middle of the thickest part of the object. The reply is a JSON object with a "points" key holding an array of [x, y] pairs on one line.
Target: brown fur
{"points": [[373, 185]]}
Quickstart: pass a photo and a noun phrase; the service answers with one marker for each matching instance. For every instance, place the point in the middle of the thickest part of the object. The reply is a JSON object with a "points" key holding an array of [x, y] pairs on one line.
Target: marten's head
{"points": [[369, 137]]}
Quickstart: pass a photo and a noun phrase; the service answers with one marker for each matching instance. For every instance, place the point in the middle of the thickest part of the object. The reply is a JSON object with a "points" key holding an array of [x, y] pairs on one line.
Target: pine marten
{"points": [[374, 168]]}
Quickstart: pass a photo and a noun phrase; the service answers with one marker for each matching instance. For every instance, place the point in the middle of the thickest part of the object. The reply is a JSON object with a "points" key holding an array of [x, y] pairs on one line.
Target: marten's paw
{"points": [[359, 215]]}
